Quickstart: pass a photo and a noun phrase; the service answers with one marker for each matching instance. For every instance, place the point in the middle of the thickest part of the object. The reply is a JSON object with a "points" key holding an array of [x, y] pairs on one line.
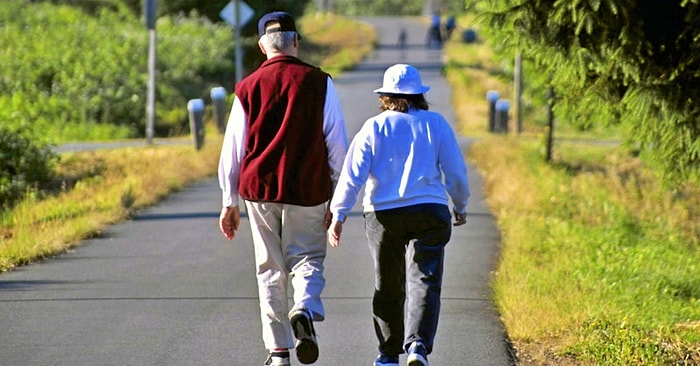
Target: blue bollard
{"points": [[469, 36], [492, 96], [218, 94], [196, 111], [502, 106]]}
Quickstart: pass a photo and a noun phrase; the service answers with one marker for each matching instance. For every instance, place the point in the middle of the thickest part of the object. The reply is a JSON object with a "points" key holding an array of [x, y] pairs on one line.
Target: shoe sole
{"points": [[280, 361], [416, 360], [278, 364], [307, 349]]}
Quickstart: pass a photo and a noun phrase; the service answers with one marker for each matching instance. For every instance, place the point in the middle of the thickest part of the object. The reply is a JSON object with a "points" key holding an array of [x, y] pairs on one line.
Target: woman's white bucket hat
{"points": [[402, 79]]}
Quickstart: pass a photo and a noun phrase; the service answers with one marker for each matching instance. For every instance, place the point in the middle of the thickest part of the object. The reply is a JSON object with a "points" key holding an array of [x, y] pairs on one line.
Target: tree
{"points": [[633, 62], [207, 8]]}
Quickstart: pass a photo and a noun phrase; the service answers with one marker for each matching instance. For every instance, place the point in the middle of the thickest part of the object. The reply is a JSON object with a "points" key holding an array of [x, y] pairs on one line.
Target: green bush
{"points": [[24, 164], [67, 71]]}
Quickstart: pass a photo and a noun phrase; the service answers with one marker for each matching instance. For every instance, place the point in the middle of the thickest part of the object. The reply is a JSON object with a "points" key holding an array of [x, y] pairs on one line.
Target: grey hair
{"points": [[278, 40]]}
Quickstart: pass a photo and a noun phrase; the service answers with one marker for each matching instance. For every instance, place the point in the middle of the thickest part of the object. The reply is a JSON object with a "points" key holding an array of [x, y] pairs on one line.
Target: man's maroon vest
{"points": [[286, 160]]}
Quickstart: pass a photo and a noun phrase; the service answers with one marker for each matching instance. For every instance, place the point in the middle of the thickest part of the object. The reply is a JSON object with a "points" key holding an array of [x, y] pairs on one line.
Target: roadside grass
{"points": [[337, 43], [98, 188], [600, 263], [470, 70]]}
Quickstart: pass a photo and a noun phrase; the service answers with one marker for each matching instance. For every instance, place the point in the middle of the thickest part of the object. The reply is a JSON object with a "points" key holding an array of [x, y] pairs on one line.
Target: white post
{"points": [[149, 10], [151, 93]]}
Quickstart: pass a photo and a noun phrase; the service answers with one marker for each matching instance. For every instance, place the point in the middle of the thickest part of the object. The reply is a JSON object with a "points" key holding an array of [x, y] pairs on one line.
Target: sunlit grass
{"points": [[110, 186], [468, 72], [335, 42], [591, 256]]}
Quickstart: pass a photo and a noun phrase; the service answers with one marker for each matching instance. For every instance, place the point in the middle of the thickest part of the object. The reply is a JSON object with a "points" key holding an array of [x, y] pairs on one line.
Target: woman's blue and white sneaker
{"points": [[383, 360], [417, 355]]}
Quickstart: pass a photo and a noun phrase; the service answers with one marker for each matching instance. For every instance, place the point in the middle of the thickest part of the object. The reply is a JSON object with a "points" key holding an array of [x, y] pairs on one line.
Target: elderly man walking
{"points": [[282, 153]]}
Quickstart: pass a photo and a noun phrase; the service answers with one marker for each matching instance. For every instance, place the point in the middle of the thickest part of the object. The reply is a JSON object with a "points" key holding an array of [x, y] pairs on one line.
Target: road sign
{"points": [[228, 13]]}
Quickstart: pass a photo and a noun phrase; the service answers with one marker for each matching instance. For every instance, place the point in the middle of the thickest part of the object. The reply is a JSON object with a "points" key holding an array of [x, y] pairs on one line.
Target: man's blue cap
{"points": [[285, 20]]}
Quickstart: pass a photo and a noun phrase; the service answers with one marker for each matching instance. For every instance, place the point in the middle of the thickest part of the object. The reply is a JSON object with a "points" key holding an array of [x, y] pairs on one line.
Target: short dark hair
{"points": [[402, 102]]}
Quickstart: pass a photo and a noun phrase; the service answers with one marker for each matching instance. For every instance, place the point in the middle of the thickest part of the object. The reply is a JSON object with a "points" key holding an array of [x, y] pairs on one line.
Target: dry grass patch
{"points": [[335, 42], [468, 74], [99, 188], [596, 267]]}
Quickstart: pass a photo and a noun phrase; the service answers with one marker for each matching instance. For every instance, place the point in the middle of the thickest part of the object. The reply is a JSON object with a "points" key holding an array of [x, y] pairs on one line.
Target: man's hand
{"points": [[334, 231], [328, 216], [229, 219]]}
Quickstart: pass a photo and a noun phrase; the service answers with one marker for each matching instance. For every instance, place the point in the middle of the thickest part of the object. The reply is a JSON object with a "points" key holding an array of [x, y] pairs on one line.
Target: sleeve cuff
{"points": [[341, 217], [229, 202]]}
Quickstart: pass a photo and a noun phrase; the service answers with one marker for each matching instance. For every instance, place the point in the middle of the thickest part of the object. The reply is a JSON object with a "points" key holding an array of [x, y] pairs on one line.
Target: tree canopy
{"points": [[207, 8], [632, 62]]}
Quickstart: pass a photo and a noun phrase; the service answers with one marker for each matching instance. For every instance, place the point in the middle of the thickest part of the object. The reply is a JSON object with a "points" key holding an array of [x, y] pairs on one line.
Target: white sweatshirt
{"points": [[402, 159]]}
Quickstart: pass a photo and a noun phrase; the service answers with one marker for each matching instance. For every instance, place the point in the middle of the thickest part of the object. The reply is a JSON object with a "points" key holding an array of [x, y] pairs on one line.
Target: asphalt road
{"points": [[167, 289]]}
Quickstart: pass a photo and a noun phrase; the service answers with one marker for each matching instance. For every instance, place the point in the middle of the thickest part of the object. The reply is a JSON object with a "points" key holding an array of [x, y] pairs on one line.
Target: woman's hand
{"points": [[460, 219]]}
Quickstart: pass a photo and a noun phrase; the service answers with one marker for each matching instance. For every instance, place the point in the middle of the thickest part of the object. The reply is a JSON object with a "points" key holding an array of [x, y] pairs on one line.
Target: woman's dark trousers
{"points": [[407, 245]]}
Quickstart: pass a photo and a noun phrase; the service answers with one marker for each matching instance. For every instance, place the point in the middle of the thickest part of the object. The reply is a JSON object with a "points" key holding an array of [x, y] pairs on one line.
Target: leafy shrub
{"points": [[24, 163], [373, 7], [65, 67]]}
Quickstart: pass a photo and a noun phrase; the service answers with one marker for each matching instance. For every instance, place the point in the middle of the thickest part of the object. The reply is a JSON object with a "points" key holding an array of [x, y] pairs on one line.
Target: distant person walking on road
{"points": [[410, 163], [450, 25], [282, 153], [434, 35], [401, 43]]}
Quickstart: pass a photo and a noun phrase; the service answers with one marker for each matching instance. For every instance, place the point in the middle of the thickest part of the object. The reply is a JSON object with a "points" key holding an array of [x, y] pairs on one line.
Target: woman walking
{"points": [[410, 164]]}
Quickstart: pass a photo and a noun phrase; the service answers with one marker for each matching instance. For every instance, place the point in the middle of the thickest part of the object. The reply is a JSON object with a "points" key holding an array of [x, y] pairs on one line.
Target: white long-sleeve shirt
{"points": [[402, 159], [233, 147]]}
